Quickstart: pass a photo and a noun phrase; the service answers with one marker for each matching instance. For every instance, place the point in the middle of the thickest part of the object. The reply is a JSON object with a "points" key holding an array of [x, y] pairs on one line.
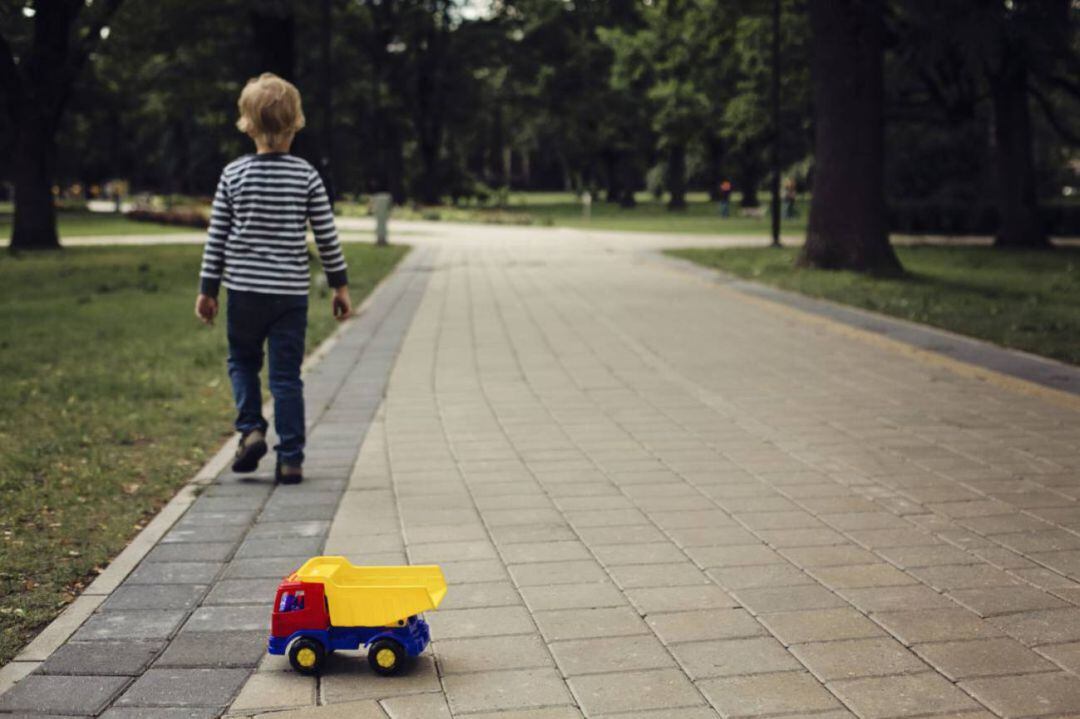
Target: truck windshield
{"points": [[291, 602]]}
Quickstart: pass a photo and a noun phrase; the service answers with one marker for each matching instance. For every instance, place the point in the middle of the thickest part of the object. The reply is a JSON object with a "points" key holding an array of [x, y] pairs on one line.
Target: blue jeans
{"points": [[279, 321]]}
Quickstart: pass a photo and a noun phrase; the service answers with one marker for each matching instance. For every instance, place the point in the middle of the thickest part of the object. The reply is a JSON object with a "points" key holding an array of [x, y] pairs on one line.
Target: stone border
{"points": [[60, 629], [1013, 369]]}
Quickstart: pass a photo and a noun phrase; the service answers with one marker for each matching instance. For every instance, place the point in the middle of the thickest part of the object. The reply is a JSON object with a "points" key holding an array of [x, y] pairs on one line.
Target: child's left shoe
{"points": [[289, 473]]}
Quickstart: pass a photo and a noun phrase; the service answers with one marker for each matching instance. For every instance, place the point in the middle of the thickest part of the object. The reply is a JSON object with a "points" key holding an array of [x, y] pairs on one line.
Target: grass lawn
{"points": [[81, 223], [112, 396], [1026, 300], [563, 209]]}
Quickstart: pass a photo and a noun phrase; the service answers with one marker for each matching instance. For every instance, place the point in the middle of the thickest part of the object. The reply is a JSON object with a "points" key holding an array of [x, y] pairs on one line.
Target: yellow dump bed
{"points": [[374, 596]]}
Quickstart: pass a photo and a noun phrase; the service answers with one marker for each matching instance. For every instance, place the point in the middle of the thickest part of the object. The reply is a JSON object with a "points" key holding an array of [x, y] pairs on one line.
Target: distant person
{"points": [[257, 246], [725, 198], [789, 197]]}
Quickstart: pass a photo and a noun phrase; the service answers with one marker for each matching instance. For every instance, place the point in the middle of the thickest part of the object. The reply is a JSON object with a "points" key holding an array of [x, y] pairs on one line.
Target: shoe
{"points": [[251, 449], [289, 473]]}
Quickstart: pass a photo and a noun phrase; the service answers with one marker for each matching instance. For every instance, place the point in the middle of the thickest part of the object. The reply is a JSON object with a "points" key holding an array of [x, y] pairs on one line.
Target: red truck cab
{"points": [[299, 606]]}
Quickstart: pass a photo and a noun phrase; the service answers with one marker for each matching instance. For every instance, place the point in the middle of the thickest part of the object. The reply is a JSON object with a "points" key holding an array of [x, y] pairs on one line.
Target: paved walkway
{"points": [[652, 495]]}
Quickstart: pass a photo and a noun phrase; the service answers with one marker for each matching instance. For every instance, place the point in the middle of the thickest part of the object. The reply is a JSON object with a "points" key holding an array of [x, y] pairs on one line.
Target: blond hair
{"points": [[270, 110]]}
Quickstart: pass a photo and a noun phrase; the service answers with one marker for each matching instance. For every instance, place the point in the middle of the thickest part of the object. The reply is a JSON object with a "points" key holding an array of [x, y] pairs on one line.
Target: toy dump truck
{"points": [[329, 604]]}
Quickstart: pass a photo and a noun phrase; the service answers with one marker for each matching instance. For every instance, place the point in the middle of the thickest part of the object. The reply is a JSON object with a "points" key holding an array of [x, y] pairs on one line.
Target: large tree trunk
{"points": [[274, 35], [1020, 224], [676, 177], [749, 178], [715, 148], [847, 211], [35, 215]]}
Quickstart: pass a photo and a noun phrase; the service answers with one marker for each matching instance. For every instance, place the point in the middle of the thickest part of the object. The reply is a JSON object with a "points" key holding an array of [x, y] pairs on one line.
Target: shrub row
{"points": [[182, 217]]}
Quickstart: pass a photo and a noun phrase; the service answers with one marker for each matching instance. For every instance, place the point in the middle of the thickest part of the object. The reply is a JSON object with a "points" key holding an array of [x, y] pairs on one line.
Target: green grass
{"points": [[112, 396], [1025, 300], [81, 223], [563, 209]]}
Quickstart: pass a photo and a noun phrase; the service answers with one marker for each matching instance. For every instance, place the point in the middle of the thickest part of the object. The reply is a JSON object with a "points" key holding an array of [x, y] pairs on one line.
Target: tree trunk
{"points": [[749, 178], [715, 148], [35, 214], [676, 177], [1020, 223], [847, 212], [275, 42]]}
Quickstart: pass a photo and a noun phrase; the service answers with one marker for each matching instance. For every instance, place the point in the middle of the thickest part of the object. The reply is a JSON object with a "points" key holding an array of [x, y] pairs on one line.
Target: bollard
{"points": [[381, 202]]}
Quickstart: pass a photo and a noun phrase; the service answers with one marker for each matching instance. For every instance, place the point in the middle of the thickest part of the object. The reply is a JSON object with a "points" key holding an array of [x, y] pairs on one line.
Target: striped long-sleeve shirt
{"points": [[258, 228]]}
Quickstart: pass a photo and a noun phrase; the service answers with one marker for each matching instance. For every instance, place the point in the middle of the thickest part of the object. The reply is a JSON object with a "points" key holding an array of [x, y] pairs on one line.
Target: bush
{"points": [[957, 218]]}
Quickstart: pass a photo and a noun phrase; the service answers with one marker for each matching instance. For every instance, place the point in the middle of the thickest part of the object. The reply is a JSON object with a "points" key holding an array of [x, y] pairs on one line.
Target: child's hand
{"points": [[341, 304], [206, 308]]}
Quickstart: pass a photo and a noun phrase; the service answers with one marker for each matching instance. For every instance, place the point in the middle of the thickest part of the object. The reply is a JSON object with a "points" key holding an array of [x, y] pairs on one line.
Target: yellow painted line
{"points": [[964, 369]]}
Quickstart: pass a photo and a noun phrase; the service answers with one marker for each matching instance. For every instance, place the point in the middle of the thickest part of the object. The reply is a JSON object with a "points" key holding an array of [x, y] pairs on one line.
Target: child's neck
{"points": [[263, 149]]}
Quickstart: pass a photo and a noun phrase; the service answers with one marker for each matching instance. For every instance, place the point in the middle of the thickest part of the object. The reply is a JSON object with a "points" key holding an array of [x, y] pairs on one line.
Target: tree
{"points": [[847, 213], [37, 83]]}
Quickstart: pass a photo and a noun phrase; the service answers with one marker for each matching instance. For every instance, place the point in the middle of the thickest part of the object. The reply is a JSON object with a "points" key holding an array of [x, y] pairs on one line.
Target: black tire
{"points": [[306, 656], [386, 657]]}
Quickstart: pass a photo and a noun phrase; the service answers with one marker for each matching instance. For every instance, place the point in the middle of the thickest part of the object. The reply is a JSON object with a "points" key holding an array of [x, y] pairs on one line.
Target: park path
{"points": [[653, 496]]}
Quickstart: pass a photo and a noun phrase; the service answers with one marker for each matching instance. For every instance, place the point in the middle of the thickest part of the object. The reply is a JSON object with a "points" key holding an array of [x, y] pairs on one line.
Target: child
{"points": [[257, 245]]}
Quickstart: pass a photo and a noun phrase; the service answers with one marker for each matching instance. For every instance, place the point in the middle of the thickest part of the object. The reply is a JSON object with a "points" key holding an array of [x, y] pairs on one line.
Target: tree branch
{"points": [[1064, 131], [92, 39]]}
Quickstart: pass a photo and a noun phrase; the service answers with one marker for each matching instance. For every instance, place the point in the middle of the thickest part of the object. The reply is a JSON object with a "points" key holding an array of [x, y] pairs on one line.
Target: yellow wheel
{"points": [[386, 657], [306, 656]]}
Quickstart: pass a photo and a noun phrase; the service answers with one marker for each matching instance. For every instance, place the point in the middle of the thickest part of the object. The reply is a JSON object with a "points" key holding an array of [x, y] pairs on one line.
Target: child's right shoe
{"points": [[289, 473], [251, 449]]}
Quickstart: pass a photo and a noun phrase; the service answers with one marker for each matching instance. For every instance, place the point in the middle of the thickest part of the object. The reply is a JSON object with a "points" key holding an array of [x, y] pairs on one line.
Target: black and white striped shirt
{"points": [[258, 228]]}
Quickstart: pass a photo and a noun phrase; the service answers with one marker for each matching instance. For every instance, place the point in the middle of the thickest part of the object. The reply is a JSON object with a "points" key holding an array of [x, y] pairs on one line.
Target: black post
{"points": [[775, 201]]}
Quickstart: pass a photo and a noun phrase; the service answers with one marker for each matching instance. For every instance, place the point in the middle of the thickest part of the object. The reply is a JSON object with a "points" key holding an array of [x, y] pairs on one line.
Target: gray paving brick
{"points": [[243, 591], [161, 713], [987, 657], [852, 659], [783, 693], [653, 689], [149, 624], [239, 618], [483, 654], [610, 654], [582, 623], [704, 624], [154, 596], [936, 625], [903, 695], [174, 573], [274, 547], [177, 687], [70, 695], [506, 690], [103, 658], [262, 568], [818, 625], [222, 648], [729, 657], [191, 552]]}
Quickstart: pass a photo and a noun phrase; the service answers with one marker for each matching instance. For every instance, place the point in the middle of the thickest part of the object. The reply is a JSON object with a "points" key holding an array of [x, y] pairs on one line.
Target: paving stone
{"points": [[886, 599], [936, 625], [265, 567], [983, 658], [548, 573], [239, 618], [562, 551], [161, 713], [349, 678], [127, 597], [214, 649], [654, 689], [573, 596], [767, 575], [832, 556], [734, 556], [562, 712], [191, 552], [902, 695], [582, 623], [1065, 655], [857, 658], [677, 599], [783, 693], [177, 687], [704, 624], [485, 622], [610, 654], [65, 695], [991, 601], [478, 570], [287, 529], [683, 713], [188, 533], [1054, 626], [174, 573], [728, 657], [243, 591], [711, 536], [657, 575], [627, 534], [783, 599], [964, 577], [277, 690], [104, 658], [416, 706], [513, 689], [273, 547], [818, 625], [856, 576], [457, 656], [150, 624]]}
